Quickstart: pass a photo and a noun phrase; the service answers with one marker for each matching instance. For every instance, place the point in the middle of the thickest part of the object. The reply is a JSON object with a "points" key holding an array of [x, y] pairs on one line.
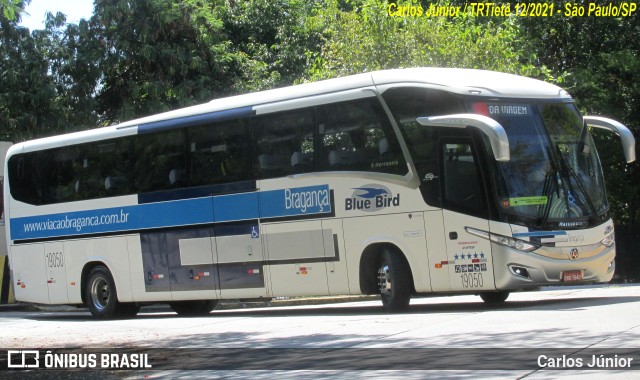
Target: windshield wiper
{"points": [[550, 184], [584, 192], [569, 172]]}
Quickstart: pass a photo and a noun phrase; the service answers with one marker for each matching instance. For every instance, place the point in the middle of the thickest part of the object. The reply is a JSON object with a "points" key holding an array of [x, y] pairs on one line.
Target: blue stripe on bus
{"points": [[188, 121], [302, 201]]}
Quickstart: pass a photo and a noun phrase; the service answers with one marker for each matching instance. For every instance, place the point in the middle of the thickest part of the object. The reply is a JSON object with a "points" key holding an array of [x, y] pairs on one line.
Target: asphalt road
{"points": [[586, 332]]}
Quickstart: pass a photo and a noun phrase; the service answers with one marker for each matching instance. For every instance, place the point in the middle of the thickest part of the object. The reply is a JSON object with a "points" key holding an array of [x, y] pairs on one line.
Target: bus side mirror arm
{"points": [[491, 128], [628, 141]]}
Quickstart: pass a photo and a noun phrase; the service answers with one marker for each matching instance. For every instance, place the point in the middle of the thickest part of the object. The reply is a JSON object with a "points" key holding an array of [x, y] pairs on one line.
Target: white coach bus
{"points": [[398, 183]]}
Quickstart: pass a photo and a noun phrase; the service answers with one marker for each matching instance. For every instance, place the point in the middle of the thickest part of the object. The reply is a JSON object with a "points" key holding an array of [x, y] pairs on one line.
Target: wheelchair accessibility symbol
{"points": [[254, 232]]}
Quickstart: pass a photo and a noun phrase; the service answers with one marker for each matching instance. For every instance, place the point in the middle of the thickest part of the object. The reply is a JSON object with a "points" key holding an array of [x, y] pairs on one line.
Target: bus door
{"points": [[469, 260]]}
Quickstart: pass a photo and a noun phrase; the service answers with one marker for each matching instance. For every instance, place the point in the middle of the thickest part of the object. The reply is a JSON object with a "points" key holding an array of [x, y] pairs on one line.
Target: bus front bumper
{"points": [[518, 270]]}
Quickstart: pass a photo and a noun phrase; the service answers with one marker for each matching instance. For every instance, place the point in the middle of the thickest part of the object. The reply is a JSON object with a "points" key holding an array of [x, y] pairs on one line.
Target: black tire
{"points": [[101, 295], [394, 281], [193, 308], [494, 298]]}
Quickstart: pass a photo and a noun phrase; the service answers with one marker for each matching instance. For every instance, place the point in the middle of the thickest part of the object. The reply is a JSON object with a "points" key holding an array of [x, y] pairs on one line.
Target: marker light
{"points": [[520, 245]]}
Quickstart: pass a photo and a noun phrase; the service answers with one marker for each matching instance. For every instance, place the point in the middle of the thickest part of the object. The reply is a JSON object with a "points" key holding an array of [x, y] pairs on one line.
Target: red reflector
{"points": [[481, 109]]}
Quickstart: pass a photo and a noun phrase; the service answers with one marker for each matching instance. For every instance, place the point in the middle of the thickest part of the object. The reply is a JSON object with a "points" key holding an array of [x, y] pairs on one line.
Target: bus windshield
{"points": [[554, 177]]}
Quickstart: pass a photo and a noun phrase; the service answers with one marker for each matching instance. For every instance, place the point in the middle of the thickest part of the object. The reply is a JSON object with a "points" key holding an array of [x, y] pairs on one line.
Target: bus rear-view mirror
{"points": [[491, 128]]}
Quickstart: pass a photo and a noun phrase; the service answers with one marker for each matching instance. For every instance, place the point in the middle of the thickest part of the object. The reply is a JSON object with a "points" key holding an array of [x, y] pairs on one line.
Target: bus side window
{"points": [[207, 149], [25, 177], [282, 143], [155, 157], [218, 153], [102, 169], [60, 175], [356, 135], [116, 166]]}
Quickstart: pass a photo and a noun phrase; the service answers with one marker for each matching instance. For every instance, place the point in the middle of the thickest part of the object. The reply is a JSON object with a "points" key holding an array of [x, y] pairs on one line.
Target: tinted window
{"points": [[157, 159], [26, 176], [357, 135], [218, 153], [282, 143], [102, 169], [409, 103], [60, 182], [353, 135]]}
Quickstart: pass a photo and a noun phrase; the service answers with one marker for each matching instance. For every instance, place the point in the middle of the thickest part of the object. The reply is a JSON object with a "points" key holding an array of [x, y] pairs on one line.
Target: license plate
{"points": [[571, 275]]}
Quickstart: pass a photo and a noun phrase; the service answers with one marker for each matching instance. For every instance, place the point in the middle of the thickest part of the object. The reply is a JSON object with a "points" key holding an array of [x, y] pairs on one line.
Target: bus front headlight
{"points": [[507, 241]]}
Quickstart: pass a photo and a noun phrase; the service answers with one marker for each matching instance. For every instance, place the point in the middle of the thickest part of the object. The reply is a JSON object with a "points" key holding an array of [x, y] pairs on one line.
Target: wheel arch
{"points": [[369, 260]]}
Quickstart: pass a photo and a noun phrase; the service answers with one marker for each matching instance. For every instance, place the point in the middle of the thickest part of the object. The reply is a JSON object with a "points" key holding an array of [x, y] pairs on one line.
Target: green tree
{"points": [[73, 53], [271, 40], [159, 55], [26, 89], [48, 78], [11, 9], [366, 38]]}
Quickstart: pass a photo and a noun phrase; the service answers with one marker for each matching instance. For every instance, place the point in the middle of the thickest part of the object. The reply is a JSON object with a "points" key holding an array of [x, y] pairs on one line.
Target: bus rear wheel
{"points": [[193, 308], [101, 296], [494, 298], [394, 281]]}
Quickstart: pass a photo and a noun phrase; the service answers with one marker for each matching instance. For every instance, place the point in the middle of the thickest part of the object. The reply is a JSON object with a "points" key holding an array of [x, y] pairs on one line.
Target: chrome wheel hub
{"points": [[100, 293]]}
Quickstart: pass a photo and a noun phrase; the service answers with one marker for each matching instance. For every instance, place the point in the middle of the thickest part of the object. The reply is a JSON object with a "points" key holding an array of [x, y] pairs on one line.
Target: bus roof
{"points": [[462, 81]]}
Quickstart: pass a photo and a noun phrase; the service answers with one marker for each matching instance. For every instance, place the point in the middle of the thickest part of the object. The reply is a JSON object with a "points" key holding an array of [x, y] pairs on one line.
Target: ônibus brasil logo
{"points": [[371, 198]]}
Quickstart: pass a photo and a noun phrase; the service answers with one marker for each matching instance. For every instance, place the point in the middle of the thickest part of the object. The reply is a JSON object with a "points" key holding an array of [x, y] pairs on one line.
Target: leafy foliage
{"points": [[158, 55], [271, 39], [12, 8], [27, 91], [367, 38]]}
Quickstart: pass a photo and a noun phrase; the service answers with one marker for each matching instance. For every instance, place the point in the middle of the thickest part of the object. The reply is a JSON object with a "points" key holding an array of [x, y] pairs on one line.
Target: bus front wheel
{"points": [[394, 282], [193, 308], [101, 296]]}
